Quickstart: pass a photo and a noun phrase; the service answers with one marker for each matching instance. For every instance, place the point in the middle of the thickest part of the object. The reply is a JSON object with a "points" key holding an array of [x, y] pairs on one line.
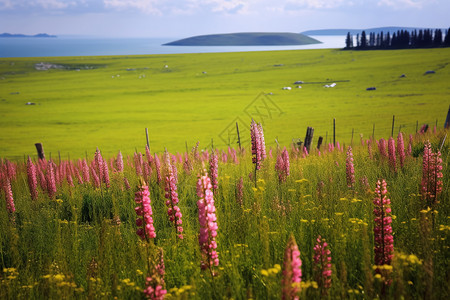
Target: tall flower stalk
{"points": [[292, 272], [32, 179], [208, 225], [258, 145], [213, 170], [391, 154], [401, 150], [383, 238], [283, 165], [431, 185], [349, 168], [154, 283], [171, 195], [144, 220], [322, 265]]}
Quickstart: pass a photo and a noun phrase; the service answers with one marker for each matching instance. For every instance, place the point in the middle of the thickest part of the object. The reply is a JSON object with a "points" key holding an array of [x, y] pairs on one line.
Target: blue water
{"points": [[74, 46]]}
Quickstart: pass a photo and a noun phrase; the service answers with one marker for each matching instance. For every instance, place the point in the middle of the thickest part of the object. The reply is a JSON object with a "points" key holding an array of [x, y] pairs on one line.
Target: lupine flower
{"points": [[187, 166], [10, 207], [50, 179], [256, 145], [127, 184], [262, 142], [383, 238], [155, 282], [330, 147], [42, 179], [86, 177], [148, 155], [382, 147], [409, 151], [391, 153], [424, 128], [282, 166], [431, 175], [105, 174], [350, 170], [158, 169], [208, 224], [292, 272], [98, 160], [138, 163], [77, 174], [322, 264], [147, 172], [401, 149], [95, 179], [32, 179], [119, 162], [240, 192], [213, 170], [174, 169], [144, 221], [171, 195]]}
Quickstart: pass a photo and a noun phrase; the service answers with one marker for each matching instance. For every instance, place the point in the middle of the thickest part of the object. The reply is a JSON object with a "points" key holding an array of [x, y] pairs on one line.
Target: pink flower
{"points": [[262, 142], [208, 224], [32, 179], [85, 171], [50, 179], [213, 170], [401, 149], [256, 145], [10, 207], [431, 184], [154, 283], [158, 169], [391, 153], [382, 148], [350, 170], [171, 194], [282, 166], [119, 162], [144, 221], [322, 264], [127, 184], [292, 272], [383, 238]]}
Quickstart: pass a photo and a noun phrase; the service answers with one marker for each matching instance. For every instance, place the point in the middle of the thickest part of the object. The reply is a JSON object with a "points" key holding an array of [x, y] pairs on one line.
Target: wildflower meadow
{"points": [[366, 220]]}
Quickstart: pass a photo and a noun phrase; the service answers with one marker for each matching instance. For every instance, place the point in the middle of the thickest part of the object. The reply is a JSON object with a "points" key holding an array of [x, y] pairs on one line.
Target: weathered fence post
{"points": [[447, 120], [146, 135], [239, 137], [393, 122], [40, 150], [373, 132], [334, 132], [319, 142], [308, 138]]}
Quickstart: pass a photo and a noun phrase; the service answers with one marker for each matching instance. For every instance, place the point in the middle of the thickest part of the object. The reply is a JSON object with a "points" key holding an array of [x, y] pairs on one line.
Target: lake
{"points": [[75, 46]]}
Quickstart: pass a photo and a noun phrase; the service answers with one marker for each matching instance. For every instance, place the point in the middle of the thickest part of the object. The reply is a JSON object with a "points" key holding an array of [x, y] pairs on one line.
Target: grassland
{"points": [[197, 96]]}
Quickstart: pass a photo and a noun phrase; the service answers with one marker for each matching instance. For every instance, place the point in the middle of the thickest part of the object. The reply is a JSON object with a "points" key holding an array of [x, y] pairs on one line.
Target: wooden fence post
{"points": [[40, 150], [319, 142], [447, 120], [334, 132], [146, 135], [239, 137], [393, 122]]}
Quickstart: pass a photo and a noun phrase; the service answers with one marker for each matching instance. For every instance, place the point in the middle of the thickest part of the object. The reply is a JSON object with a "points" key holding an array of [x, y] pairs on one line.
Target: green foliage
{"points": [[83, 243], [77, 111]]}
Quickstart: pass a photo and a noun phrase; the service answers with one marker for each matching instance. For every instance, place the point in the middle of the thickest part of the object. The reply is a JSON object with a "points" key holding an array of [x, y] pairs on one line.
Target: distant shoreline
{"points": [[19, 35]]}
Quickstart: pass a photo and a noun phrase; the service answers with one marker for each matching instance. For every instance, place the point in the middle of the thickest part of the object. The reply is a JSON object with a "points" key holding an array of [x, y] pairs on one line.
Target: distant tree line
{"points": [[402, 39]]}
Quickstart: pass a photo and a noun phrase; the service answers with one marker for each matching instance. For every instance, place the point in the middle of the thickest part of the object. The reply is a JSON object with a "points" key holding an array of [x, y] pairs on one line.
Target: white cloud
{"points": [[403, 3], [146, 6], [316, 4]]}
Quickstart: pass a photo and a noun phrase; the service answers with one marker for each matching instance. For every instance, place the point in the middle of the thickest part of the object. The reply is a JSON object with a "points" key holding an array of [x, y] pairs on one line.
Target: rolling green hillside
{"points": [[185, 98], [246, 39]]}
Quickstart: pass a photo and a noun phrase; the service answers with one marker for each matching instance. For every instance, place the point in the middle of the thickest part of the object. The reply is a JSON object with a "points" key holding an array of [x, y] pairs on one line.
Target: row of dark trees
{"points": [[402, 39]]}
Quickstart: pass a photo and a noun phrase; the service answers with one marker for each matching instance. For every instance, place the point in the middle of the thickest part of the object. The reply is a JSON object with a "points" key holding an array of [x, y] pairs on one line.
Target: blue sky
{"points": [[181, 18]]}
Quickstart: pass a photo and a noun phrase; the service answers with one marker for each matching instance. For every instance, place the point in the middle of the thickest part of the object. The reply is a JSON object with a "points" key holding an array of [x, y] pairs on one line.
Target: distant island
{"points": [[246, 39], [39, 35], [356, 31]]}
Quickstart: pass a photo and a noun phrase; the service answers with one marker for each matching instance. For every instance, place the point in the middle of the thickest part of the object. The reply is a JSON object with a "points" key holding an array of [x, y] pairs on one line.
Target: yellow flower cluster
{"points": [[177, 292], [271, 271]]}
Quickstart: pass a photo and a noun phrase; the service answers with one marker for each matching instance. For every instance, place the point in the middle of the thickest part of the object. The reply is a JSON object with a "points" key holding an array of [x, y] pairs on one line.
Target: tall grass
{"points": [[82, 242]]}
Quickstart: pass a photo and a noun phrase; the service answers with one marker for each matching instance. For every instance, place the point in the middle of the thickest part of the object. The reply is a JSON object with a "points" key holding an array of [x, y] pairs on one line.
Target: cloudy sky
{"points": [[181, 18]]}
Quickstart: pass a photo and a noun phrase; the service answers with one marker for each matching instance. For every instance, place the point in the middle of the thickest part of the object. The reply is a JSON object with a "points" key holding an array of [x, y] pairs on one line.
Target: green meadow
{"points": [[107, 102]]}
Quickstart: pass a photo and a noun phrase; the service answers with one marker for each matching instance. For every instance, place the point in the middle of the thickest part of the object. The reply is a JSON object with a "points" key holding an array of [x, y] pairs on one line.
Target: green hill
{"points": [[246, 39]]}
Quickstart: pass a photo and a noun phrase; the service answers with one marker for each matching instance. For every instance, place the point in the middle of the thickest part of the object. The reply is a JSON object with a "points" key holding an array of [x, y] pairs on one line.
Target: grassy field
{"points": [[198, 97]]}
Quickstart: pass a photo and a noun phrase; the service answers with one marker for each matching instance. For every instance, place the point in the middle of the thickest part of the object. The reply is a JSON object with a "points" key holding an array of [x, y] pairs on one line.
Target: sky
{"points": [[183, 18]]}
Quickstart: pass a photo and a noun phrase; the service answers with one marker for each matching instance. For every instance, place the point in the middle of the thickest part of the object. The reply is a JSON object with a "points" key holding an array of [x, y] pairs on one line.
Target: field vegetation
{"points": [[74, 229], [107, 102]]}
